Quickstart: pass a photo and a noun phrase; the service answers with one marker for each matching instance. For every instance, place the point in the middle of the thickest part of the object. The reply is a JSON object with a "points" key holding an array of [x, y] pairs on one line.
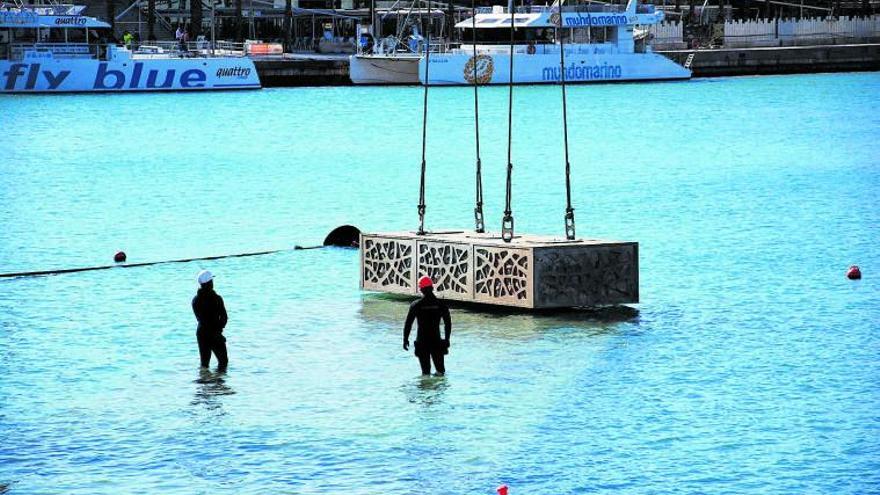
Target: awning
{"points": [[486, 21]]}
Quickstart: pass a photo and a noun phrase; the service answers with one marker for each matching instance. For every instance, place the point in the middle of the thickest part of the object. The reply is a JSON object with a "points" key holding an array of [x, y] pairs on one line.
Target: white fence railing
{"points": [[666, 35], [771, 31]]}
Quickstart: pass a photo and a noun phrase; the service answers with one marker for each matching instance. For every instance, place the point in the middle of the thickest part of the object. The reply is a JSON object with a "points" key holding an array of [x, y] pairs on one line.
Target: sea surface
{"points": [[751, 365]]}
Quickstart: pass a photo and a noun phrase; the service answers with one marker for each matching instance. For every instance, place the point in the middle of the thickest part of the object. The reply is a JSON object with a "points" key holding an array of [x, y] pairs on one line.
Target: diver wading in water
{"points": [[211, 315], [428, 311]]}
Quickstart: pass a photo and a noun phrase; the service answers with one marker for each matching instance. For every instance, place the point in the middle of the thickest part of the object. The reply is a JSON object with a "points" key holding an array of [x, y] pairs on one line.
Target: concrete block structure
{"points": [[531, 272]]}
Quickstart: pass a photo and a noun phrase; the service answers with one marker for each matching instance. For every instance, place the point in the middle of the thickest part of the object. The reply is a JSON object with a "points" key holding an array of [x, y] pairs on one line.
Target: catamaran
{"points": [[55, 49], [602, 43]]}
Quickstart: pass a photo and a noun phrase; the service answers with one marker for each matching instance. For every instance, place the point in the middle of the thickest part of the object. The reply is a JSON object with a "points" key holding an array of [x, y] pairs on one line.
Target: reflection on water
{"points": [[426, 390], [505, 323], [211, 388]]}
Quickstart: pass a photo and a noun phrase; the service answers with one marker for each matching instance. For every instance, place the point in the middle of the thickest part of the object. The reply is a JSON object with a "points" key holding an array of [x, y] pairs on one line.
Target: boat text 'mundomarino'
{"points": [[583, 72]]}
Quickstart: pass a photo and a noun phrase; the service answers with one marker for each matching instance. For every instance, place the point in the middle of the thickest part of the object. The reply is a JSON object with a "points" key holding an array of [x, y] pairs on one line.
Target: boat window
{"points": [[601, 34], [56, 36], [488, 21], [501, 35], [24, 35], [4, 44], [102, 35], [76, 35]]}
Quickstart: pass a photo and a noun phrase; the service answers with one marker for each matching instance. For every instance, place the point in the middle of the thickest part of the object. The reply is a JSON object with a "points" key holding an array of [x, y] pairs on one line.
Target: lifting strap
{"points": [[507, 221], [479, 225], [421, 230], [569, 211]]}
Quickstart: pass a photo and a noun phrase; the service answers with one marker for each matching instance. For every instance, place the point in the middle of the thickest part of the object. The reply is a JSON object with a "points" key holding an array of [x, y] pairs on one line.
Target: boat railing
{"points": [[545, 48], [438, 47], [190, 49], [18, 51], [542, 49], [524, 9], [44, 9], [229, 48], [595, 8], [391, 45], [156, 49]]}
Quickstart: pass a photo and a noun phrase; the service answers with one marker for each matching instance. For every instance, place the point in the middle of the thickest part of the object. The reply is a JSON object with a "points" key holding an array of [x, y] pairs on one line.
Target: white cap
{"points": [[205, 276]]}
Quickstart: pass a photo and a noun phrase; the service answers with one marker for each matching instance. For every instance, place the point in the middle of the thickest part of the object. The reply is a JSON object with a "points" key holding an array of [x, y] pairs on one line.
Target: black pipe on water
{"points": [[343, 236]]}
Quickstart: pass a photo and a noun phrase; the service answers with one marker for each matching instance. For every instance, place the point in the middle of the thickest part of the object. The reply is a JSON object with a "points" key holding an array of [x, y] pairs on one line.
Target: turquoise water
{"points": [[752, 365]]}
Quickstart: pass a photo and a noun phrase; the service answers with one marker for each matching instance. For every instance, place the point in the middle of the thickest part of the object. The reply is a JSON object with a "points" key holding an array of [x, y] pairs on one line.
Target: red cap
{"points": [[425, 282]]}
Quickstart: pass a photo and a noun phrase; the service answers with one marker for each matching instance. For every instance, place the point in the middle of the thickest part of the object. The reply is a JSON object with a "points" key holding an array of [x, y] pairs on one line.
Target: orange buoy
{"points": [[854, 273], [120, 257]]}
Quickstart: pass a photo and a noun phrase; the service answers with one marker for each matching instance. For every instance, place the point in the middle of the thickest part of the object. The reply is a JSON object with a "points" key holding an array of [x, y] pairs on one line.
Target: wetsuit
{"points": [[428, 345], [211, 314]]}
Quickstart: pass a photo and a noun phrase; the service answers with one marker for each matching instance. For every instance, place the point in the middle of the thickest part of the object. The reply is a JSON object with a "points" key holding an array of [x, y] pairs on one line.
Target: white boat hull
{"points": [[457, 68], [66, 75], [384, 69]]}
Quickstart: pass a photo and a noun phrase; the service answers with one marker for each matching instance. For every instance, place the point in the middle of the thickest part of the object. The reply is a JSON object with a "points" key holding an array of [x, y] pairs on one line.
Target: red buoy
{"points": [[502, 490], [854, 273], [119, 257]]}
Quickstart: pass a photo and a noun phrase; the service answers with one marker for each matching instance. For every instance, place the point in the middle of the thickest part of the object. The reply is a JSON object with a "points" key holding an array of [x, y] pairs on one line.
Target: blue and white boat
{"points": [[57, 49], [603, 43]]}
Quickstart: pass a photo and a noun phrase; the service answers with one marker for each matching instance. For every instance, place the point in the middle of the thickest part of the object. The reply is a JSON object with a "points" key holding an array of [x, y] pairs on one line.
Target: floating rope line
{"points": [[422, 207], [344, 236], [507, 221], [148, 263], [479, 225], [569, 211]]}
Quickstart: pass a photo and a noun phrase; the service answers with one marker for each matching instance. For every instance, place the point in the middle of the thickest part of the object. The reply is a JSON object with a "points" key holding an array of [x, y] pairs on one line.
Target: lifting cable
{"points": [[569, 211], [421, 230], [507, 221], [479, 226]]}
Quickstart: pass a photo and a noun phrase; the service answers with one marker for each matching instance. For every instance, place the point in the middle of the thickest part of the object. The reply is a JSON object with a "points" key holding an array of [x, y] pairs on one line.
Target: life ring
{"points": [[530, 50]]}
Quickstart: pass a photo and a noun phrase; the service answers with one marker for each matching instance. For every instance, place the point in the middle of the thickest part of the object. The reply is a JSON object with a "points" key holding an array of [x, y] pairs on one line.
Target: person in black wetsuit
{"points": [[211, 315], [428, 311]]}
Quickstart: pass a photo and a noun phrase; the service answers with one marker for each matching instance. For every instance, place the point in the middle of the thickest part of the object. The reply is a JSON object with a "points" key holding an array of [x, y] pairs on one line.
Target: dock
{"points": [[779, 60], [303, 69]]}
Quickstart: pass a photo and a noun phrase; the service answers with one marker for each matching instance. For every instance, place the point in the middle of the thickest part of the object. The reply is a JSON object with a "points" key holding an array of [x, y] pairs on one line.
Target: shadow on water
{"points": [[426, 390], [211, 387], [505, 323]]}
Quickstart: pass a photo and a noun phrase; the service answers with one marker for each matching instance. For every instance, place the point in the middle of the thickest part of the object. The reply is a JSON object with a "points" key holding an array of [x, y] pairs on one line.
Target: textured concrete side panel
{"points": [[449, 265], [388, 265], [503, 276], [586, 275], [531, 272]]}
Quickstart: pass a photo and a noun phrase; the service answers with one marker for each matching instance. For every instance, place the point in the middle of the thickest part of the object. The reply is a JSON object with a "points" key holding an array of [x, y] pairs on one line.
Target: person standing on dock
{"points": [[181, 36], [429, 311], [211, 314]]}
